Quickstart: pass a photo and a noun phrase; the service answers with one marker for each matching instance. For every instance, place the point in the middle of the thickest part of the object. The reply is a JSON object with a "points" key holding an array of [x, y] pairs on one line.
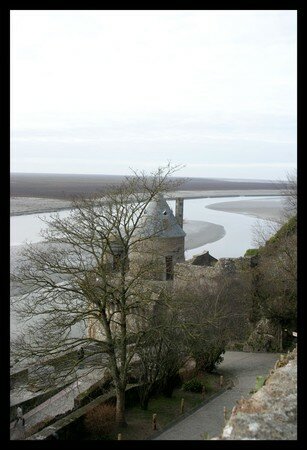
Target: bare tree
{"points": [[264, 229], [192, 324], [275, 278], [210, 315], [81, 275], [162, 351], [274, 285], [290, 193]]}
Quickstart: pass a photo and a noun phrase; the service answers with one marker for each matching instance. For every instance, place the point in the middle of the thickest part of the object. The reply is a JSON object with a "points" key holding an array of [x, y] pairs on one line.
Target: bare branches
{"points": [[78, 287], [290, 193]]}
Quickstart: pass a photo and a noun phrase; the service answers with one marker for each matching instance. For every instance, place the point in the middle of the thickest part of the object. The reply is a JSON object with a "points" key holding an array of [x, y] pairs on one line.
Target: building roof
{"points": [[159, 220]]}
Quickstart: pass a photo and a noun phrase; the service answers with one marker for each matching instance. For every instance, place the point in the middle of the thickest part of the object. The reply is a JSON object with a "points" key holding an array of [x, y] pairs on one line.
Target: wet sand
{"points": [[199, 233], [65, 186], [268, 209], [36, 205]]}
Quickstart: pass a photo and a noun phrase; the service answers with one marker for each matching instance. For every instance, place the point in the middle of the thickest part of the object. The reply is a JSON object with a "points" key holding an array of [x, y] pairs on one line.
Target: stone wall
{"points": [[34, 401], [224, 267], [271, 413], [152, 252], [71, 426]]}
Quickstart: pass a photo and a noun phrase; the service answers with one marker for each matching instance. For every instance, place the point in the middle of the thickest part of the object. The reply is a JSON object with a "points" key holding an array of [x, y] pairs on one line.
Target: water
{"points": [[238, 238], [239, 228], [26, 228]]}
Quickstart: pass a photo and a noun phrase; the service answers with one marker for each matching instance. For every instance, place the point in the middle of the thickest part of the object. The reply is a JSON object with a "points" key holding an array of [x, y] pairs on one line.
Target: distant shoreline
{"points": [[66, 186], [20, 205]]}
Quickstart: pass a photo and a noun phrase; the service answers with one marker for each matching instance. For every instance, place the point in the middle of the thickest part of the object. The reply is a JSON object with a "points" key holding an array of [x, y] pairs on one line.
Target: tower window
{"points": [[169, 267]]}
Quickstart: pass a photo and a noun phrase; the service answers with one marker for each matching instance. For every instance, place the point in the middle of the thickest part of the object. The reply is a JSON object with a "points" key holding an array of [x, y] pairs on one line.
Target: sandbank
{"points": [[266, 208], [35, 205], [199, 233]]}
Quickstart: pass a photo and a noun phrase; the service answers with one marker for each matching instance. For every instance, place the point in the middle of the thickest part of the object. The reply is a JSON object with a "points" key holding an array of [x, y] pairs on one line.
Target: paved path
{"points": [[242, 368]]}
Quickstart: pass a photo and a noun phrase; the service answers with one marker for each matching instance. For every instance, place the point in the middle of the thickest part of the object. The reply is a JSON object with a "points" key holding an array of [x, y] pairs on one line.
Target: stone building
{"points": [[155, 248], [156, 258], [159, 240]]}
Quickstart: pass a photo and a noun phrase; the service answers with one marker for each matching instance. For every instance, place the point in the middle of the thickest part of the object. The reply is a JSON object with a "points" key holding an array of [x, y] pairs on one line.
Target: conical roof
{"points": [[159, 220]]}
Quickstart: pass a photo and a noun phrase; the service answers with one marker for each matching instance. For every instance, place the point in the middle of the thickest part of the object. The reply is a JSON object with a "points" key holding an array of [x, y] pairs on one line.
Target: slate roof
{"points": [[159, 220]]}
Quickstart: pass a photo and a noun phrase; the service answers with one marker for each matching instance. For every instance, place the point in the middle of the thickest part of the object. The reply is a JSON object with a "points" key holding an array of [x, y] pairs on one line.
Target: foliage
{"points": [[288, 229], [100, 421], [209, 315], [161, 355], [260, 381], [193, 385], [251, 252], [167, 409], [290, 193], [275, 278], [274, 288], [213, 357]]}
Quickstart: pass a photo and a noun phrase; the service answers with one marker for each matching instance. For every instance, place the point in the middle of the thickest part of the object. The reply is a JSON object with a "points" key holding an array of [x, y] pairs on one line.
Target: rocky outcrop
{"points": [[264, 338], [271, 413]]}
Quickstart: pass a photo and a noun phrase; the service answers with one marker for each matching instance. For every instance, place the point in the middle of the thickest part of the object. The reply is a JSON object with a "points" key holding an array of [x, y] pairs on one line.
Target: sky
{"points": [[104, 92]]}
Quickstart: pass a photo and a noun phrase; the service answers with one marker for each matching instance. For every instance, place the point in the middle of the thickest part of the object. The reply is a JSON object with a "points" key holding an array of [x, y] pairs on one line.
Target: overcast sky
{"points": [[102, 91]]}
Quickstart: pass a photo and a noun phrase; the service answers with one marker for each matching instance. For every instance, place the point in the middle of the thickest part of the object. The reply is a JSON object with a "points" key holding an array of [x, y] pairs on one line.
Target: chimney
{"points": [[179, 211]]}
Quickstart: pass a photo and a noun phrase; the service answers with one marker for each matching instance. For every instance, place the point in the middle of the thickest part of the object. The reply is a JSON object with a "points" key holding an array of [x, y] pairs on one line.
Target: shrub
{"points": [[260, 381], [252, 252], [208, 359], [193, 385], [100, 421]]}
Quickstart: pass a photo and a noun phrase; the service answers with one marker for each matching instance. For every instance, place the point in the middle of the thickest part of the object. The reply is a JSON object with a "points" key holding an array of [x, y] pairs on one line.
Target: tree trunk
{"points": [[144, 400], [120, 408], [169, 386]]}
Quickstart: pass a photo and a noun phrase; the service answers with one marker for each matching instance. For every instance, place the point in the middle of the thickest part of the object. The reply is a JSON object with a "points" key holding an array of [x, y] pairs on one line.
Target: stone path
{"points": [[242, 368]]}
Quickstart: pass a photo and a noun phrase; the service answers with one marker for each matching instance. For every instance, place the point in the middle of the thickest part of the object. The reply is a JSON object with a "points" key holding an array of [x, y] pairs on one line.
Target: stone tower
{"points": [[179, 211], [162, 241]]}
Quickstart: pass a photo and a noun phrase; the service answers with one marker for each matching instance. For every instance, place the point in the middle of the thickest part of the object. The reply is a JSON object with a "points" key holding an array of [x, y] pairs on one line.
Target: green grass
{"points": [[251, 252], [167, 409]]}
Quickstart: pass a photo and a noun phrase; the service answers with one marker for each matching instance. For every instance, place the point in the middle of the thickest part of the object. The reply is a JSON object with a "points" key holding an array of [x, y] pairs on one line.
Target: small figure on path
{"points": [[20, 417], [18, 431]]}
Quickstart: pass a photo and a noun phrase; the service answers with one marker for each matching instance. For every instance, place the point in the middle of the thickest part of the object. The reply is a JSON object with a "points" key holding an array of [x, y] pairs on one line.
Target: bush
{"points": [[193, 385], [217, 359], [100, 421], [260, 381], [208, 359], [252, 252]]}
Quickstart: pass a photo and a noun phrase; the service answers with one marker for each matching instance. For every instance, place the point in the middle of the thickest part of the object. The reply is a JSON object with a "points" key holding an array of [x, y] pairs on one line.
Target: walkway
{"points": [[209, 419], [60, 403]]}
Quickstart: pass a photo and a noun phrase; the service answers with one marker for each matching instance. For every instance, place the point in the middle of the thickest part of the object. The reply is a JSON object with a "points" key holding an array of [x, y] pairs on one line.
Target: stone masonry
{"points": [[271, 413]]}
